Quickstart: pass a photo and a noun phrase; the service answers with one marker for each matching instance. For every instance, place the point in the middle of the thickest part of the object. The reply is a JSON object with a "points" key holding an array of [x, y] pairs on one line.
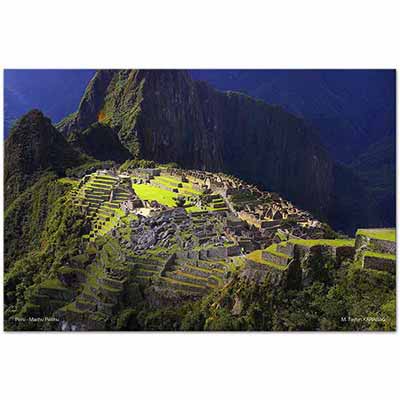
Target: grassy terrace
{"points": [[162, 196], [324, 242], [173, 183], [273, 250], [256, 256], [380, 255], [148, 192], [383, 234]]}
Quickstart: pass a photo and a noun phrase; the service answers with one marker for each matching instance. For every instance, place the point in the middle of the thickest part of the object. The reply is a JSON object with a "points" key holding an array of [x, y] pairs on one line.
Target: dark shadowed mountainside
{"points": [[33, 147], [377, 168], [352, 109], [100, 142], [166, 116]]}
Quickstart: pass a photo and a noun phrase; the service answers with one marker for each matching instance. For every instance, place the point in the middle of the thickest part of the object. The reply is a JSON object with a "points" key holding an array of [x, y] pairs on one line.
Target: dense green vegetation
{"points": [[25, 218], [137, 163], [34, 148], [377, 168], [44, 278], [47, 248], [344, 299], [88, 167], [100, 142], [247, 138], [50, 265]]}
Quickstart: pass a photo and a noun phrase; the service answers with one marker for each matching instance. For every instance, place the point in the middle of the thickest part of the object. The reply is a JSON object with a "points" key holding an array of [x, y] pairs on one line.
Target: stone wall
{"points": [[233, 251], [210, 253], [344, 252], [269, 224], [217, 252], [289, 278], [274, 258], [380, 264], [288, 249], [382, 246]]}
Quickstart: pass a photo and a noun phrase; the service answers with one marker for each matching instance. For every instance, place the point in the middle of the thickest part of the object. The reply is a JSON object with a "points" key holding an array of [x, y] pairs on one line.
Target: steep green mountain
{"points": [[33, 147], [377, 168], [26, 217], [166, 116], [100, 142], [43, 233]]}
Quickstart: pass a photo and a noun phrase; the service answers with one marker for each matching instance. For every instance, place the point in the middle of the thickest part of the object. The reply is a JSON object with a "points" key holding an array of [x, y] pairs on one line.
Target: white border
{"points": [[206, 34]]}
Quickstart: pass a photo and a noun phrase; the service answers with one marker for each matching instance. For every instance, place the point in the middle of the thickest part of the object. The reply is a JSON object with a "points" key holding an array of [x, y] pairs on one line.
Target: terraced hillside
{"points": [[100, 196], [372, 249], [163, 238], [376, 249]]}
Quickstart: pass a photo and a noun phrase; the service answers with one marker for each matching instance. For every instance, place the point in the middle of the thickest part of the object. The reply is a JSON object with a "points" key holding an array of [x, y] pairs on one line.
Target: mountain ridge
{"points": [[157, 114], [33, 147], [352, 109], [167, 116]]}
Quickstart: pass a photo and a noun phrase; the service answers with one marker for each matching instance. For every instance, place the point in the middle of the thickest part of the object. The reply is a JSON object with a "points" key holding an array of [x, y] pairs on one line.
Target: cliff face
{"points": [[268, 146], [156, 114], [165, 116]]}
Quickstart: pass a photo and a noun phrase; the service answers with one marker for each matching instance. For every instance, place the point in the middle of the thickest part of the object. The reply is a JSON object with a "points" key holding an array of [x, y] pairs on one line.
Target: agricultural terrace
{"points": [[323, 242], [161, 190], [382, 234]]}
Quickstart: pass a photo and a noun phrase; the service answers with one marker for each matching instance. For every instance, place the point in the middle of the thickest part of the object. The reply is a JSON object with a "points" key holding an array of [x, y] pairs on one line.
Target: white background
{"points": [[201, 34]]}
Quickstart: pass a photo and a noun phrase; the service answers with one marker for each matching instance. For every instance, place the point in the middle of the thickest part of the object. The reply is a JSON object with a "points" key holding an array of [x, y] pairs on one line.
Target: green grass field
{"points": [[383, 234], [162, 196], [148, 192], [324, 242]]}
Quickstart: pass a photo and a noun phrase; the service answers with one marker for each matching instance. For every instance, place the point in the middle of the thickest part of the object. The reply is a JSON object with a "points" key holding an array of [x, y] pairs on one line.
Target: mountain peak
{"points": [[166, 116], [34, 145]]}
